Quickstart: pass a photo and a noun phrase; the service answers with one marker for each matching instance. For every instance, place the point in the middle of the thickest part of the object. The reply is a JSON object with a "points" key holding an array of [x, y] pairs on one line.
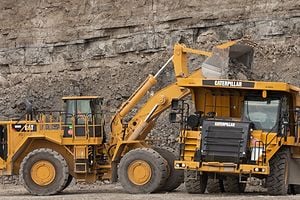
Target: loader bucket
{"points": [[223, 56]]}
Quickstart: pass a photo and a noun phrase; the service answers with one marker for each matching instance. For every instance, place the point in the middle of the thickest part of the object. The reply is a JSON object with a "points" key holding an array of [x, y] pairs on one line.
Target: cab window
{"points": [[263, 113]]}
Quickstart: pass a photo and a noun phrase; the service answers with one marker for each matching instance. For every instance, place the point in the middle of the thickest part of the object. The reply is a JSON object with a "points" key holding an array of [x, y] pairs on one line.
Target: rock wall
{"points": [[54, 48]]}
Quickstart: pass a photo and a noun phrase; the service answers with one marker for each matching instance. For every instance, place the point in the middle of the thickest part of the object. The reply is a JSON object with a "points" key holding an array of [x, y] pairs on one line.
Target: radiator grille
{"points": [[224, 143]]}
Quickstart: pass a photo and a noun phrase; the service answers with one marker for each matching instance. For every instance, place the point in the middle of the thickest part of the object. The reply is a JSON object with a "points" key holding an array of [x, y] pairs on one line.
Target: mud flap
{"points": [[114, 172]]}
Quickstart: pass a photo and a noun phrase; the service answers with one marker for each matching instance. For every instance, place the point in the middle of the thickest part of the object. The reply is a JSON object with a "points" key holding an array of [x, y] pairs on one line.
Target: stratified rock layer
{"points": [[50, 49]]}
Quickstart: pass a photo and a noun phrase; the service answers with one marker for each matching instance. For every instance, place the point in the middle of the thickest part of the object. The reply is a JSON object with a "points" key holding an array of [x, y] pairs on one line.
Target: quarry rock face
{"points": [[50, 49]]}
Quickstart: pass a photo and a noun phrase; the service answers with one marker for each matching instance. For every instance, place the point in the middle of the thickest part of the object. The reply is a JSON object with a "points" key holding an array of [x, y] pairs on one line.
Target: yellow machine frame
{"points": [[192, 139], [47, 130]]}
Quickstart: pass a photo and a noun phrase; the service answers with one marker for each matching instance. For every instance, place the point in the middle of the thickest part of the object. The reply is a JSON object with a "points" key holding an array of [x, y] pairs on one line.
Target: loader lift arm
{"points": [[216, 62], [139, 126], [135, 131]]}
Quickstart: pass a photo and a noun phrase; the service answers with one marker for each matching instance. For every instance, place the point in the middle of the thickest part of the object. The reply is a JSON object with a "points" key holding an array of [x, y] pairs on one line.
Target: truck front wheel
{"points": [[232, 185], [277, 181], [195, 183], [215, 185]]}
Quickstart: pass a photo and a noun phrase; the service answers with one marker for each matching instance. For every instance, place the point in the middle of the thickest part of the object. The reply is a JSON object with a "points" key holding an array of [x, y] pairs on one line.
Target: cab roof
{"points": [[197, 81], [257, 85], [80, 97]]}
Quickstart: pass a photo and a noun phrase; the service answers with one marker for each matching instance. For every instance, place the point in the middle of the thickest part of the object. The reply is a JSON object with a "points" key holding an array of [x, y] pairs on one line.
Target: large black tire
{"points": [[194, 182], [143, 159], [232, 185], [176, 177], [295, 189], [277, 181], [70, 178], [215, 185], [38, 159]]}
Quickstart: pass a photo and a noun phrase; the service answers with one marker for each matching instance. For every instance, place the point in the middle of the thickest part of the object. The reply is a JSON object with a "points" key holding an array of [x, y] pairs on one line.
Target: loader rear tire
{"points": [[215, 186], [175, 177], [232, 185], [142, 170], [44, 172], [277, 181], [194, 182]]}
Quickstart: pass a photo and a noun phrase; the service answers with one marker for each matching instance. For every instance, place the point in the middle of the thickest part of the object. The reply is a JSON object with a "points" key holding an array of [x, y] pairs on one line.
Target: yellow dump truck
{"points": [[240, 129]]}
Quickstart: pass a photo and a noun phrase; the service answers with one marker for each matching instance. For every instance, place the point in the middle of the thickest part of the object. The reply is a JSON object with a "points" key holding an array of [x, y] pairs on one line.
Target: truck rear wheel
{"points": [[232, 185], [142, 170], [215, 186], [295, 189], [175, 177], [194, 182], [44, 172], [277, 181]]}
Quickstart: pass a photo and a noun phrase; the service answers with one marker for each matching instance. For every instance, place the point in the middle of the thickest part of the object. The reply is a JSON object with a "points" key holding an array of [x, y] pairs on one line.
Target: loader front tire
{"points": [[175, 177], [194, 182], [44, 172], [70, 178], [277, 181], [142, 170]]}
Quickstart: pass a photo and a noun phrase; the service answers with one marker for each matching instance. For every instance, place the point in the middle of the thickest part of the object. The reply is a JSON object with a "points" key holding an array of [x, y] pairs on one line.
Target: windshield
{"points": [[83, 107], [263, 113], [79, 108]]}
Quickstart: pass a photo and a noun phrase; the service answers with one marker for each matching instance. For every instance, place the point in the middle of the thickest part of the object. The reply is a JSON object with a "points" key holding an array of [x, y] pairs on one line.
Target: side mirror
{"points": [[99, 101], [284, 126], [193, 121], [211, 114], [173, 117], [297, 111], [175, 104]]}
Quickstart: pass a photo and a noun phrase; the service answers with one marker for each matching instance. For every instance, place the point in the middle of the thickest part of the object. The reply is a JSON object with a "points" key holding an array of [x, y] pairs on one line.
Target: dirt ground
{"points": [[115, 191]]}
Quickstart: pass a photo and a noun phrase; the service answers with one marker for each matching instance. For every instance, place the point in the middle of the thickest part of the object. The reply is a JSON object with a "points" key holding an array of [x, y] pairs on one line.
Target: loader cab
{"points": [[83, 116]]}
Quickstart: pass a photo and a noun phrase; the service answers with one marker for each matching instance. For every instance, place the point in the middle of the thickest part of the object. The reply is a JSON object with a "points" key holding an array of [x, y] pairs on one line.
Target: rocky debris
{"points": [[239, 71], [52, 49], [9, 180], [3, 82]]}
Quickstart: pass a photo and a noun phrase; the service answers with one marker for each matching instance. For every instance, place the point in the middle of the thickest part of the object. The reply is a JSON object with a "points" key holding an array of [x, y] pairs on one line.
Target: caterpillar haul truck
{"points": [[47, 149], [240, 129]]}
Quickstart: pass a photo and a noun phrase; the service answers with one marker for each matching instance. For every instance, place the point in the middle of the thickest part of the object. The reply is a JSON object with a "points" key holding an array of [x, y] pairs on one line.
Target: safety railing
{"points": [[72, 125]]}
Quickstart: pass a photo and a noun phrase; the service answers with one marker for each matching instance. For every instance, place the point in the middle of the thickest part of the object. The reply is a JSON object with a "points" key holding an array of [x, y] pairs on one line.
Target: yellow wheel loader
{"points": [[47, 149]]}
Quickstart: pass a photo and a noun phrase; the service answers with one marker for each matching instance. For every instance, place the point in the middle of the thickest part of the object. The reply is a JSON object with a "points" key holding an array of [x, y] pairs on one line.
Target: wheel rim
{"points": [[43, 173], [139, 172]]}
